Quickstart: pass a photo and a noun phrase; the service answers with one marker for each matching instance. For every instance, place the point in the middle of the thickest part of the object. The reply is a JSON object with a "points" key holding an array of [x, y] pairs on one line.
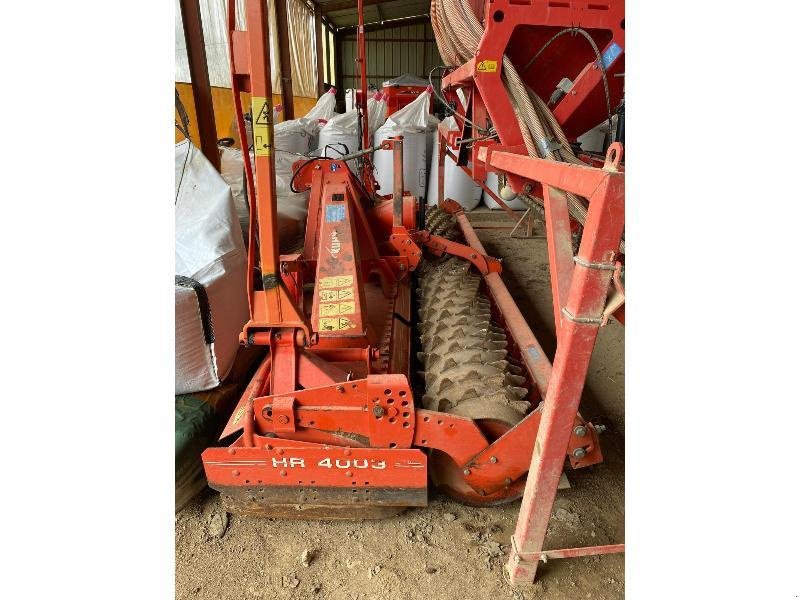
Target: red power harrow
{"points": [[329, 426]]}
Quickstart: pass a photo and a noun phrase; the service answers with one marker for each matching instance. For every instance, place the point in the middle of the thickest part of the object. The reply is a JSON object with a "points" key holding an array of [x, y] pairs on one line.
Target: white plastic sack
{"points": [[292, 207], [210, 267], [339, 136], [458, 185], [411, 122], [376, 112], [293, 136], [232, 171], [325, 107], [493, 183]]}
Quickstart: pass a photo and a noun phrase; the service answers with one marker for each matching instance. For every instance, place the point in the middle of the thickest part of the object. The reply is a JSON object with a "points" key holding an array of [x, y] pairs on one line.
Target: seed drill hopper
{"points": [[396, 354]]}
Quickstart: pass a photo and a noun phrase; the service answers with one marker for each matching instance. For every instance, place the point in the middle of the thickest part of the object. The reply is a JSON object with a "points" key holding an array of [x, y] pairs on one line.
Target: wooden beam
{"points": [[287, 95], [201, 86], [318, 47]]}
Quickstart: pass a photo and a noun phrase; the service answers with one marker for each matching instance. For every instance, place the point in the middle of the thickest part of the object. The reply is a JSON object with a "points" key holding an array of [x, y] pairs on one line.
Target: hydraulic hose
{"points": [[458, 32]]}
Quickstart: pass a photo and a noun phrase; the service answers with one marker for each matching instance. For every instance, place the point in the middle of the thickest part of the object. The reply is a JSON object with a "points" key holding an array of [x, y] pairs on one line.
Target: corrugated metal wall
{"points": [[392, 52]]}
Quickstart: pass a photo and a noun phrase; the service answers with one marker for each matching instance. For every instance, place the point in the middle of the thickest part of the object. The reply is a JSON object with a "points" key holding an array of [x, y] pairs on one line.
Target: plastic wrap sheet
{"points": [[214, 14]]}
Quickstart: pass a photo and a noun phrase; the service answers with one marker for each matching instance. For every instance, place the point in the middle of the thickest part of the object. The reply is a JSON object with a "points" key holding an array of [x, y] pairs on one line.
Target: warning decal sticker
{"points": [[336, 281], [487, 66], [262, 126], [335, 323]]}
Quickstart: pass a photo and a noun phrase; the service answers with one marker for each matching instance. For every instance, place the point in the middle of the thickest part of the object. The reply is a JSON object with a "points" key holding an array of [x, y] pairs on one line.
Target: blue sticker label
{"points": [[334, 213], [611, 54]]}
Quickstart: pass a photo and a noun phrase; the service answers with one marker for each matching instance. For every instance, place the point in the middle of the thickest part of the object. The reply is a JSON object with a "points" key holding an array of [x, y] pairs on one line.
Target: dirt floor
{"points": [[447, 550]]}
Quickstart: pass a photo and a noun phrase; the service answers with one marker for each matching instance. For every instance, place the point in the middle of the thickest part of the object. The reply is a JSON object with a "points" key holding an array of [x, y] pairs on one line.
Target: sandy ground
{"points": [[444, 551]]}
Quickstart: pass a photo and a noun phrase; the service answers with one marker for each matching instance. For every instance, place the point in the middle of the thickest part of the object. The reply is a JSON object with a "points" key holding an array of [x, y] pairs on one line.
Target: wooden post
{"points": [[201, 86], [338, 40], [318, 46], [285, 60]]}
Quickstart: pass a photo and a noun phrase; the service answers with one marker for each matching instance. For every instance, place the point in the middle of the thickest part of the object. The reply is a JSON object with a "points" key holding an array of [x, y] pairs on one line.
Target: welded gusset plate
{"points": [[317, 466], [316, 502], [380, 408]]}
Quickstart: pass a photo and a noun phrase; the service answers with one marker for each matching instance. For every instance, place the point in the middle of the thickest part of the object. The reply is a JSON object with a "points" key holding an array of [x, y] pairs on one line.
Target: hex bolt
{"points": [[378, 411], [580, 431], [579, 453], [348, 473], [492, 459], [283, 473], [507, 480], [528, 188], [235, 473], [283, 419], [600, 428], [340, 389], [467, 471]]}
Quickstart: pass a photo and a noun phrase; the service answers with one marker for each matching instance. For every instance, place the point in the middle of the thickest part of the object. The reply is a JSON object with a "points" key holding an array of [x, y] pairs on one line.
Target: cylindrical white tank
{"points": [[457, 185], [493, 183], [340, 142], [414, 161]]}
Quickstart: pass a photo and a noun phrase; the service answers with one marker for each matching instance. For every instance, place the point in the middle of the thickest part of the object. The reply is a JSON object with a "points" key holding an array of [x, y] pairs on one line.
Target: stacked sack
{"points": [[412, 122], [458, 185], [340, 135]]}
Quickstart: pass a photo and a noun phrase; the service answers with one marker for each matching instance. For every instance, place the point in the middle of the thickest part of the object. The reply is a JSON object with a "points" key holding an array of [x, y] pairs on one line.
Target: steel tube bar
{"points": [[585, 301], [579, 180], [201, 86], [362, 61], [559, 248], [265, 187], [397, 191], [532, 354], [546, 555]]}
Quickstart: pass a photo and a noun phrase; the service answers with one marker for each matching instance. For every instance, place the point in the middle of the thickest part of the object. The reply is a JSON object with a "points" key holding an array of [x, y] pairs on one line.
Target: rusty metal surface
{"points": [[308, 502]]}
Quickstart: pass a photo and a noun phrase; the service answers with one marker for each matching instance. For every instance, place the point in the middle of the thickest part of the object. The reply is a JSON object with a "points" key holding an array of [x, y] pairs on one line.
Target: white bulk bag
{"points": [[339, 136], [458, 185], [325, 107], [320, 114], [293, 136], [411, 122], [493, 183], [210, 267]]}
